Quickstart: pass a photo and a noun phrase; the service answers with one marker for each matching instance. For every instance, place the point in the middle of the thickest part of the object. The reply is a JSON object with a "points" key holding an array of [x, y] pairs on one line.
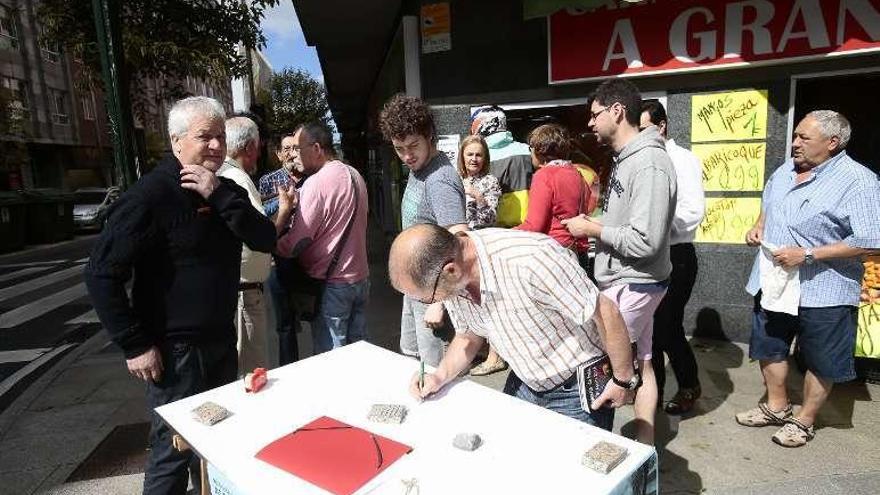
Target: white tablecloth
{"points": [[527, 449]]}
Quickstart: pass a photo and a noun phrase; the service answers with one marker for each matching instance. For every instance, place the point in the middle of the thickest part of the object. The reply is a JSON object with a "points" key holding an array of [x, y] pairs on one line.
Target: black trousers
{"points": [[668, 322], [188, 370]]}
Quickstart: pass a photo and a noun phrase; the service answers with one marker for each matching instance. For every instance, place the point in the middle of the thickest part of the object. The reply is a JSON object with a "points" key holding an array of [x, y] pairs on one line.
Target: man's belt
{"points": [[250, 285]]}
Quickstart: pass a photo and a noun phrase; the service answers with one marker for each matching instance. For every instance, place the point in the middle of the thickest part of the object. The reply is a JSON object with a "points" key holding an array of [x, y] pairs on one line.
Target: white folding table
{"points": [[526, 449]]}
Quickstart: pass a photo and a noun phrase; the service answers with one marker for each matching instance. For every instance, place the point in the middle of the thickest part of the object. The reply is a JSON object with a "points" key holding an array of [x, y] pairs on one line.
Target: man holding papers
{"points": [[819, 213]]}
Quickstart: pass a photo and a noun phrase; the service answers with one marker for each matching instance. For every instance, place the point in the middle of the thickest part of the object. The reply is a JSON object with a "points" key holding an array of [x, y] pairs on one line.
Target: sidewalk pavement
{"points": [[84, 420]]}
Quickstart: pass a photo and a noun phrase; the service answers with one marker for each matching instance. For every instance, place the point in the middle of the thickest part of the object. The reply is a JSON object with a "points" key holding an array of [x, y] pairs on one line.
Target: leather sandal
{"points": [[487, 368], [794, 434], [763, 416]]}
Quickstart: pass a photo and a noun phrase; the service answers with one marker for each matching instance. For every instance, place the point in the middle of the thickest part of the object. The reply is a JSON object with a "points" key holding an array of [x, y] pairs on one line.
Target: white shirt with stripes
{"points": [[536, 306]]}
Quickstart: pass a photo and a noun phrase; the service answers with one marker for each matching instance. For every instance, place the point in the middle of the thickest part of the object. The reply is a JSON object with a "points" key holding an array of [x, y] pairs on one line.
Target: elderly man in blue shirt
{"points": [[819, 214]]}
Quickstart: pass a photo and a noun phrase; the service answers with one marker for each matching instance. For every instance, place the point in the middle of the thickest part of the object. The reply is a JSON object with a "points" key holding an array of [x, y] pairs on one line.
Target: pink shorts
{"points": [[637, 303]]}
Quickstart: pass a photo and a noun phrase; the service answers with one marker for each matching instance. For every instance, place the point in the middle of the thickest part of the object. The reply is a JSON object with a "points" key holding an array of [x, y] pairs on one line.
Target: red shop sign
{"points": [[681, 35]]}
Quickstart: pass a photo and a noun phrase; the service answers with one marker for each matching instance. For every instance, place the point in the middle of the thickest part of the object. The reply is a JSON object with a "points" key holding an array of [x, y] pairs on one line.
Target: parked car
{"points": [[90, 206]]}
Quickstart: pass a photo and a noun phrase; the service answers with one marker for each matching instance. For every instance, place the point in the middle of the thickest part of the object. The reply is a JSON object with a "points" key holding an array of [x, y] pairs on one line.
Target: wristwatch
{"points": [[808, 256], [631, 384]]}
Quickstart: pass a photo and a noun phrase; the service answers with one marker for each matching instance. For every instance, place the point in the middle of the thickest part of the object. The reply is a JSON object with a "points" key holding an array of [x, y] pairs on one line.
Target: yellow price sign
{"points": [[730, 116], [732, 166], [868, 334], [728, 219]]}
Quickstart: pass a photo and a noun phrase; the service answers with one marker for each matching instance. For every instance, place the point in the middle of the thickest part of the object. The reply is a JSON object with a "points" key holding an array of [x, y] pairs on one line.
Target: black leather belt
{"points": [[250, 285]]}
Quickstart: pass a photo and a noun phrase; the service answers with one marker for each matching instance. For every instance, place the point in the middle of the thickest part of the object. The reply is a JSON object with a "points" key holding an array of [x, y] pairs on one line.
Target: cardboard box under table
{"points": [[526, 449]]}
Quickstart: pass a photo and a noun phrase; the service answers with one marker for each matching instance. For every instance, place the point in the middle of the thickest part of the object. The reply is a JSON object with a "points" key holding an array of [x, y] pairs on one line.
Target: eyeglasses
{"points": [[436, 284], [295, 148], [595, 115]]}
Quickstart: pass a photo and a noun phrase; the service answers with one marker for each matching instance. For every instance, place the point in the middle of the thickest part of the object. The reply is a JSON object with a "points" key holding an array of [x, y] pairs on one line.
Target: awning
{"points": [[352, 38]]}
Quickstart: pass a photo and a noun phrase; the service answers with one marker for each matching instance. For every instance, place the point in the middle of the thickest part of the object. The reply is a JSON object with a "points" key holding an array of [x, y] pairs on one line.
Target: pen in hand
{"points": [[421, 375]]}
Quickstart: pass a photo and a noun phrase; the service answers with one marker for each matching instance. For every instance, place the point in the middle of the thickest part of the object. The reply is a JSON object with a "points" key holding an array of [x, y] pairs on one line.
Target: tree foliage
{"points": [[296, 98], [165, 40]]}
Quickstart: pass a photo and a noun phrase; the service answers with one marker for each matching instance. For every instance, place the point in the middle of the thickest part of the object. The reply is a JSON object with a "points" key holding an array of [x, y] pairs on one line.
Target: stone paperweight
{"points": [[604, 456], [467, 441], [387, 413], [210, 413]]}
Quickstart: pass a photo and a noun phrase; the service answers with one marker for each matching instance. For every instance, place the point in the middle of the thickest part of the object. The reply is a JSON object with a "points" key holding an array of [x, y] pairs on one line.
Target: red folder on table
{"points": [[337, 457]]}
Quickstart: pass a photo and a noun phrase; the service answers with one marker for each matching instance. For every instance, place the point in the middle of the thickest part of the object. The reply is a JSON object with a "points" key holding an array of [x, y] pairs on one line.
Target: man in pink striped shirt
{"points": [[331, 221], [531, 300]]}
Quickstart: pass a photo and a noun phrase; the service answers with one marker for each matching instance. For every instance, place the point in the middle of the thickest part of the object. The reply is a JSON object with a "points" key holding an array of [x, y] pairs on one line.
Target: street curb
{"points": [[21, 403]]}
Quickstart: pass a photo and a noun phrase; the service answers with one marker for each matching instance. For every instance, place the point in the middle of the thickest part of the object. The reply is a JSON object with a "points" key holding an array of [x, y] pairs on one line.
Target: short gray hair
{"points": [[182, 112], [833, 124], [438, 248], [240, 131]]}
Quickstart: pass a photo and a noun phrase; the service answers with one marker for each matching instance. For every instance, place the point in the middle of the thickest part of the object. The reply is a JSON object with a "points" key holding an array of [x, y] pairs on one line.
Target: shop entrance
{"points": [[855, 96]]}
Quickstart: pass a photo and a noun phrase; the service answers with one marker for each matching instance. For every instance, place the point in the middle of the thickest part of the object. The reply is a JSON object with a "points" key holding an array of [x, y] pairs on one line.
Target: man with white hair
{"points": [[179, 232], [818, 217], [242, 154]]}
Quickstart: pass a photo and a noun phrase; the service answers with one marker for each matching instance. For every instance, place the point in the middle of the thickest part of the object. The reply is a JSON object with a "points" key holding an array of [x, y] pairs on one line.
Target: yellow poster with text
{"points": [[732, 166], [868, 334], [729, 116], [728, 219]]}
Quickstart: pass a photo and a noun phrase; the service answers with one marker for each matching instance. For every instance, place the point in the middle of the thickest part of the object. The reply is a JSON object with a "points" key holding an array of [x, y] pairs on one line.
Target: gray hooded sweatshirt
{"points": [[638, 209]]}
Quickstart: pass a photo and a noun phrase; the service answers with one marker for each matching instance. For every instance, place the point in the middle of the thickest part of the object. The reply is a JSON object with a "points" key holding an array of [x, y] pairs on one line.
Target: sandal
{"points": [[764, 416], [794, 434], [683, 401], [487, 368]]}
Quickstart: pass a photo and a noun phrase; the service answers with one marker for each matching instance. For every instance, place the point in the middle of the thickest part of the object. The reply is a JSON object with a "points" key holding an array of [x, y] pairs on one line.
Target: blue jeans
{"points": [[189, 369], [419, 341], [286, 321], [341, 319], [563, 399]]}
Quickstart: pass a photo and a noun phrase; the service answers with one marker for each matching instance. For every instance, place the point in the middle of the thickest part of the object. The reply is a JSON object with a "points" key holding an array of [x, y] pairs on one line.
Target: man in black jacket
{"points": [[179, 231]]}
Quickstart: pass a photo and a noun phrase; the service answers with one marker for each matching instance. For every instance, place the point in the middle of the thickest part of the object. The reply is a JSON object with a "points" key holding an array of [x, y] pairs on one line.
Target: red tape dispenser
{"points": [[253, 382]]}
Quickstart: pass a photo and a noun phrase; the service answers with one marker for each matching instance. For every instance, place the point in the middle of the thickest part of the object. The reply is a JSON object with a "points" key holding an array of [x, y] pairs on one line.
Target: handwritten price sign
{"points": [[728, 219], [732, 116], [868, 334], [732, 166]]}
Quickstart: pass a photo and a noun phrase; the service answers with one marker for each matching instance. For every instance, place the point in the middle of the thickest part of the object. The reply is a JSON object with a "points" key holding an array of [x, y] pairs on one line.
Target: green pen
{"points": [[422, 375]]}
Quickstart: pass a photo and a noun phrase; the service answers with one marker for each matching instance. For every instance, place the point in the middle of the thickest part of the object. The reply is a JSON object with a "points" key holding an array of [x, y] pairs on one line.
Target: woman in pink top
{"points": [[560, 189]]}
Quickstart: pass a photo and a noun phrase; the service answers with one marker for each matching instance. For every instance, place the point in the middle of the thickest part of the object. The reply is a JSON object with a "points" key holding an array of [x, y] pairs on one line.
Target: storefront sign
{"points": [[728, 219], [663, 35], [730, 116], [436, 28], [732, 166]]}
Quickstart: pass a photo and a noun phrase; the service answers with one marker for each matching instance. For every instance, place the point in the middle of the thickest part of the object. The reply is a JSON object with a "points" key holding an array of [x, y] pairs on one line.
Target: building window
{"points": [[50, 51], [88, 105], [17, 93], [59, 108], [8, 33]]}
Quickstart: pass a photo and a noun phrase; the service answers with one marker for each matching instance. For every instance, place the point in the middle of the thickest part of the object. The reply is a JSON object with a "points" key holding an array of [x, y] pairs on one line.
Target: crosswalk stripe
{"points": [[42, 306], [33, 263], [22, 355], [23, 272], [19, 289], [87, 317], [10, 382]]}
